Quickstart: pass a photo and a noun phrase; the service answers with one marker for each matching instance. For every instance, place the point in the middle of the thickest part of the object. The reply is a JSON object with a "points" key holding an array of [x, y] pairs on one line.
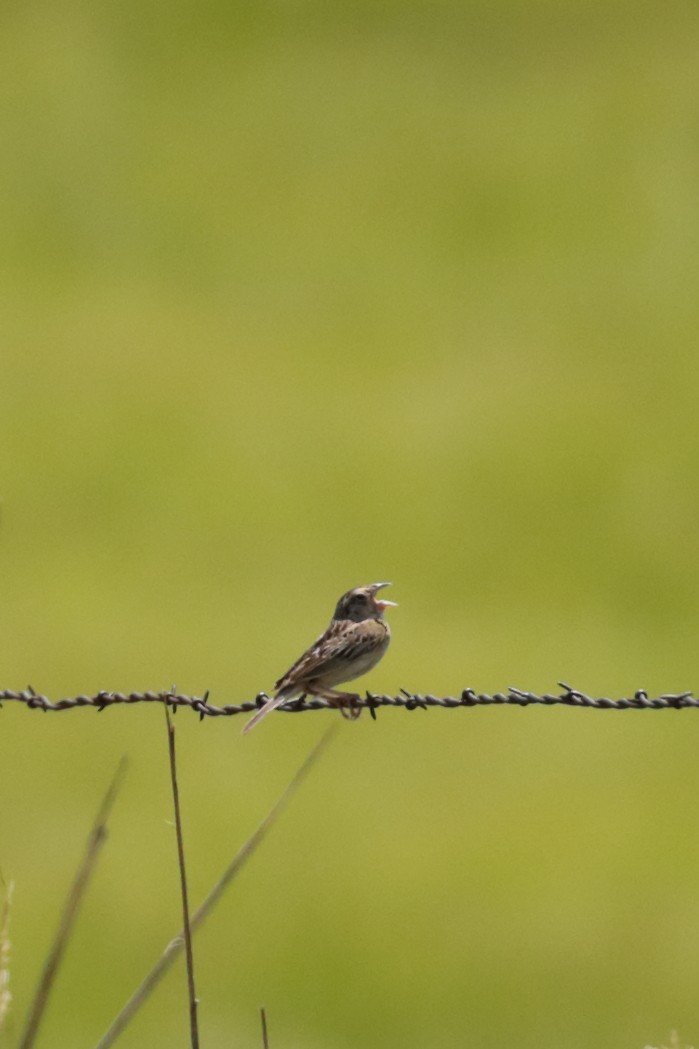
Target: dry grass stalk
{"points": [[76, 893], [674, 1043], [191, 989], [173, 949], [5, 993]]}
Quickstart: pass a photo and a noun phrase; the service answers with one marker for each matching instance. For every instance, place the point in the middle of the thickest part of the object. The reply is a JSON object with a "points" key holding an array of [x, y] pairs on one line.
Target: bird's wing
{"points": [[343, 642], [286, 686], [311, 658]]}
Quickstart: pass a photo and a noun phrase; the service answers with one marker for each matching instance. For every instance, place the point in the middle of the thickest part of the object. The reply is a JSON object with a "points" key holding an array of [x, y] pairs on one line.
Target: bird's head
{"points": [[361, 603]]}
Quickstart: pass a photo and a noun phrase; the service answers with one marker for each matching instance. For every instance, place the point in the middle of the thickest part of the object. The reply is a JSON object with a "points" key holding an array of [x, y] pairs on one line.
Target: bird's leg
{"points": [[345, 701]]}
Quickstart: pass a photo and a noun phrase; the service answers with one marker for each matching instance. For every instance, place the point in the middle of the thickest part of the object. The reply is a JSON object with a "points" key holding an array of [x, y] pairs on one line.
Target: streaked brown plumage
{"points": [[353, 643]]}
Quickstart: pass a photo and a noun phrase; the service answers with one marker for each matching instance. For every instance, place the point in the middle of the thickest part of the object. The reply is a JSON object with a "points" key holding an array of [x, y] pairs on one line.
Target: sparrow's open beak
{"points": [[382, 604]]}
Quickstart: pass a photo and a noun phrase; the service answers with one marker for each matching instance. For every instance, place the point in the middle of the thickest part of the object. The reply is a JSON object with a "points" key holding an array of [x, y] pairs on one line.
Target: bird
{"points": [[355, 640]]}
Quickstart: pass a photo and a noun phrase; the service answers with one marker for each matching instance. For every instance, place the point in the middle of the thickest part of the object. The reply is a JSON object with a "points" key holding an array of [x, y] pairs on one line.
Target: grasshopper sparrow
{"points": [[354, 642]]}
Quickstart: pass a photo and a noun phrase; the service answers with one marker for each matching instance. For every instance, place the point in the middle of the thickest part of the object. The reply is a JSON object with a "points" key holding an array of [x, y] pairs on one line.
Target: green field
{"points": [[300, 296]]}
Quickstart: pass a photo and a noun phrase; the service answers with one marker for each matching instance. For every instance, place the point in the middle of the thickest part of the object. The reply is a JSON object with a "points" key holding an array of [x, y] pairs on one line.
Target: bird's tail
{"points": [[271, 704]]}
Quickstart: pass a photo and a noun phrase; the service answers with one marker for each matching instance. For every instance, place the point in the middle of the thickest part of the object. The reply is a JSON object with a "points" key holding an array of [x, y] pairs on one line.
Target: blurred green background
{"points": [[299, 296]]}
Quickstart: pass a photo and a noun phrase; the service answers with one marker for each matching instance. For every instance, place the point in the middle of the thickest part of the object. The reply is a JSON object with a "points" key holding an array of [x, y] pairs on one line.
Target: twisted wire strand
{"points": [[570, 697]]}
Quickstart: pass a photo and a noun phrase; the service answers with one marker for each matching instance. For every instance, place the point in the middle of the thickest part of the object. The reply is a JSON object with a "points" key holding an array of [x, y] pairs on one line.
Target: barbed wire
{"points": [[201, 705]]}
